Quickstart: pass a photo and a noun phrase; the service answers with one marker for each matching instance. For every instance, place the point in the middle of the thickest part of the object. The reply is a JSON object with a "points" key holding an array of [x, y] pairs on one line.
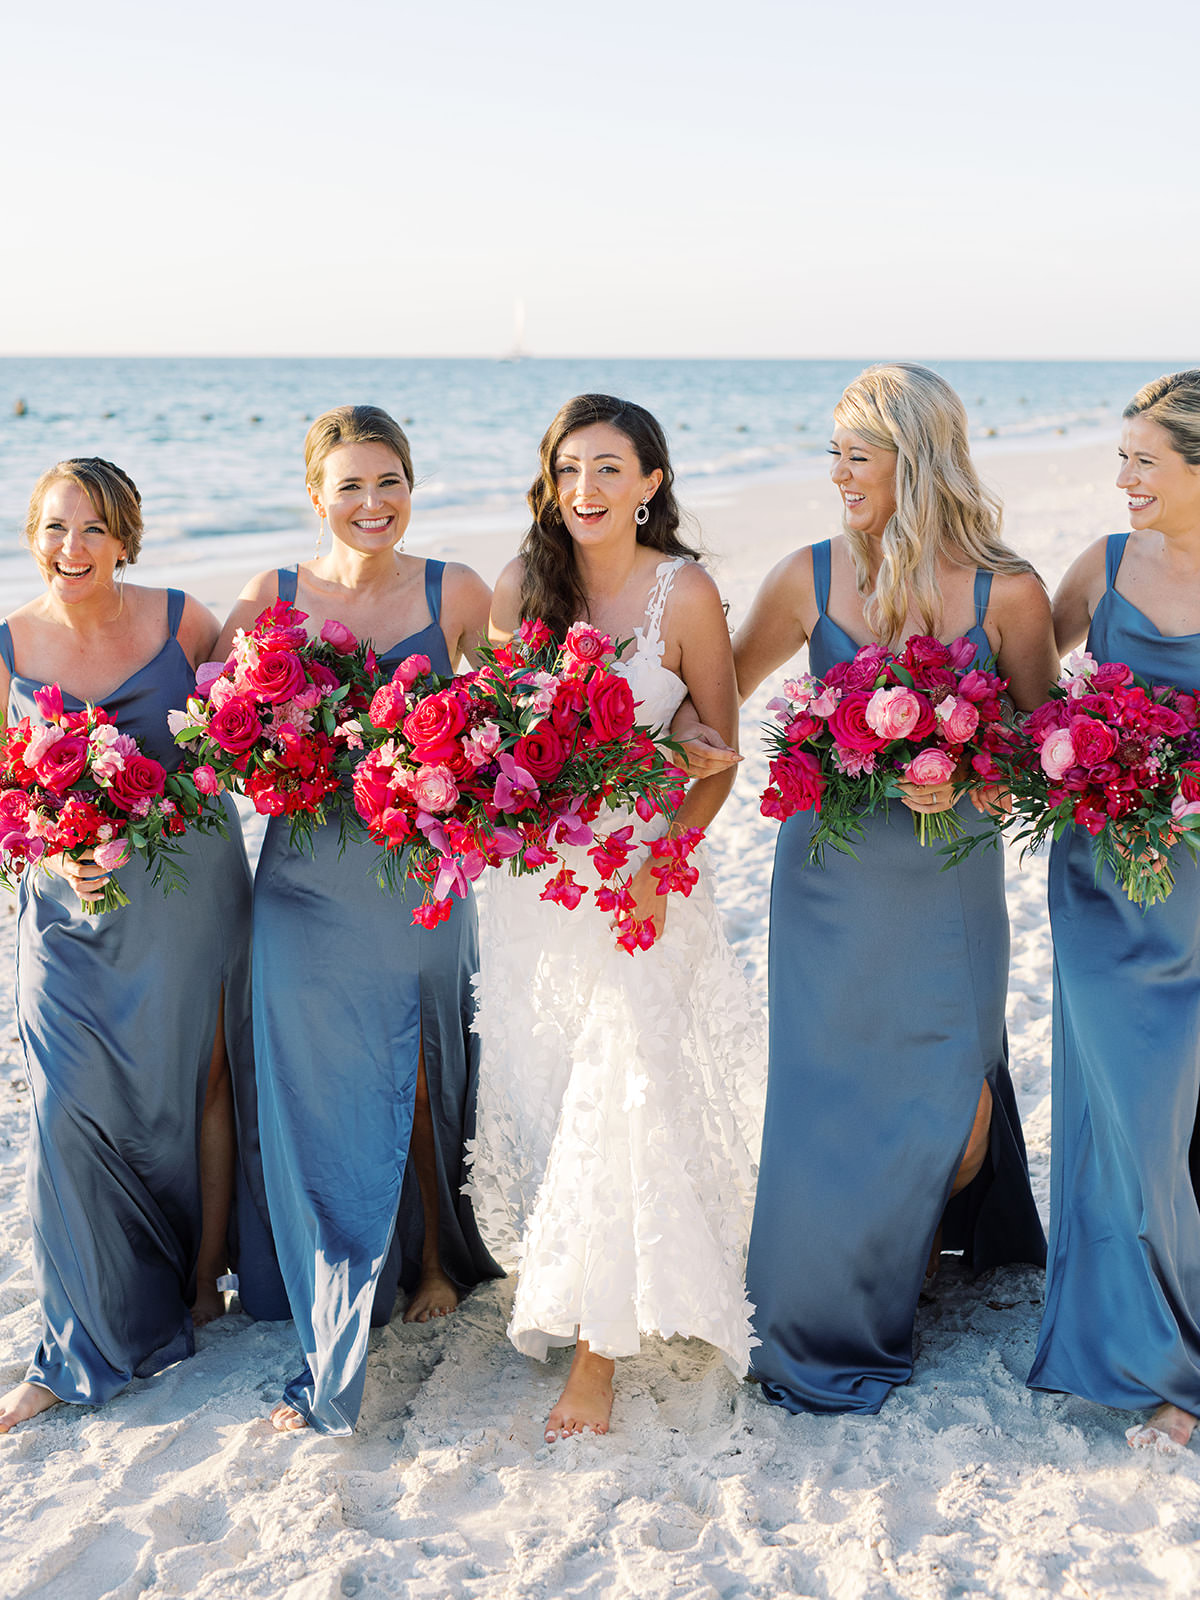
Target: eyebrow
{"points": [[604, 455]]}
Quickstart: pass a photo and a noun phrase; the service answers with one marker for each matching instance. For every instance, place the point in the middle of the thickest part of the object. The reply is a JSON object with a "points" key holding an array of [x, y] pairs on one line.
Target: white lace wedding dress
{"points": [[620, 1102]]}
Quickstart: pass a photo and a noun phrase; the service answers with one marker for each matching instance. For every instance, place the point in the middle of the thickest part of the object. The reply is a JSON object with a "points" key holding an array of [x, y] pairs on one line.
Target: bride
{"points": [[620, 1099]]}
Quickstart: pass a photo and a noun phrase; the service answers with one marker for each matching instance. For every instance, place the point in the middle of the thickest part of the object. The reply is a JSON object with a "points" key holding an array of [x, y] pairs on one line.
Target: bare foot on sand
{"points": [[587, 1400], [23, 1402], [286, 1419], [435, 1296], [1167, 1431], [209, 1303]]}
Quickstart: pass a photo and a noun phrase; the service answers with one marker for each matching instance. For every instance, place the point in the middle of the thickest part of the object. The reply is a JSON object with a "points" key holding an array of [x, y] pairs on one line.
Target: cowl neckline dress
{"points": [[116, 1015], [344, 987], [887, 979], [1122, 1319]]}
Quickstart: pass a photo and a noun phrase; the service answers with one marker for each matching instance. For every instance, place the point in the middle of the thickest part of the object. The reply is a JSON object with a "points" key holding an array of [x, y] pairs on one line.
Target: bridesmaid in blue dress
{"points": [[127, 1020], [891, 1126], [367, 1063], [1122, 1318]]}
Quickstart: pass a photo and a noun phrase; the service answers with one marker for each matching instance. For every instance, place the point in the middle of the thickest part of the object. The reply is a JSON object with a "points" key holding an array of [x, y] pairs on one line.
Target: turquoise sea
{"points": [[216, 445]]}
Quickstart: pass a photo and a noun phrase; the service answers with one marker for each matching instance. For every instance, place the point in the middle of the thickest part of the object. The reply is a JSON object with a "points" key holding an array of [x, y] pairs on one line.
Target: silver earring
{"points": [[642, 515]]}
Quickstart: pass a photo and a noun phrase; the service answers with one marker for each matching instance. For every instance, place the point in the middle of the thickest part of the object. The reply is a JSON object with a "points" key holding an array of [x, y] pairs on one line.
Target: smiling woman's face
{"points": [[365, 495], [1161, 488], [865, 477], [600, 482], [76, 553]]}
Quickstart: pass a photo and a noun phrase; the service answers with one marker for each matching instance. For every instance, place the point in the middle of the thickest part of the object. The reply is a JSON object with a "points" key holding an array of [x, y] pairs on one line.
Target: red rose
{"points": [[797, 785], [278, 675], [62, 763], [1189, 782], [849, 725], [433, 726], [921, 652], [569, 701], [235, 726], [541, 753], [142, 779], [611, 707], [1093, 741]]}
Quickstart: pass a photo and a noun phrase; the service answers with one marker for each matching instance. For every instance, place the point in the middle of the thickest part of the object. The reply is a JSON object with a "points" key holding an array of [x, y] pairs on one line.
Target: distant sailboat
{"points": [[517, 350]]}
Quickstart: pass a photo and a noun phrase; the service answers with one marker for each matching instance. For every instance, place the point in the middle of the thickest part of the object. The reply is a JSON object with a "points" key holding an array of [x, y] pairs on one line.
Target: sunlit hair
{"points": [[353, 425], [112, 492], [1174, 403], [550, 586], [942, 509]]}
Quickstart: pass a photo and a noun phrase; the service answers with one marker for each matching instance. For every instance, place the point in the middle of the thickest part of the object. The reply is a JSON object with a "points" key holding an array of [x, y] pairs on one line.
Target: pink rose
{"points": [[276, 676], [930, 766], [339, 636], [1057, 754], [206, 780], [893, 713], [142, 780], [850, 727], [433, 788], [235, 726], [959, 719], [61, 764]]}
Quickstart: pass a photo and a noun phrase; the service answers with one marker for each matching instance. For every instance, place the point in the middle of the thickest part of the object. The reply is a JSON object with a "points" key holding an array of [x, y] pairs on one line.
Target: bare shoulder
{"points": [[694, 585], [263, 587], [459, 580], [1018, 594], [198, 629]]}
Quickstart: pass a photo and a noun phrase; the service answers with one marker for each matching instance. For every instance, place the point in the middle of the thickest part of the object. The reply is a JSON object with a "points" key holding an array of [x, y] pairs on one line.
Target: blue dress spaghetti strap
{"points": [[117, 1015], [346, 990], [1122, 1319], [887, 978]]}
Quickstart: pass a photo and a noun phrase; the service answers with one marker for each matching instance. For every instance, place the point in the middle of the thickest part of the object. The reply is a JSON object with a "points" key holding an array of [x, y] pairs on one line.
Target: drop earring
{"points": [[320, 532], [642, 515]]}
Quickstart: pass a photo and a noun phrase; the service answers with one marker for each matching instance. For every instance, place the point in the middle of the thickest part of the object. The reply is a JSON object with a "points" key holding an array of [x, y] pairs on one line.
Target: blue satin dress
{"points": [[1122, 1318], [345, 990], [887, 980], [117, 1015]]}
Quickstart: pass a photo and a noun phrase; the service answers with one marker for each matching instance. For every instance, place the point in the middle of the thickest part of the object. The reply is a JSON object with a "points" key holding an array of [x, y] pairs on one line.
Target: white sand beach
{"points": [[967, 1484]]}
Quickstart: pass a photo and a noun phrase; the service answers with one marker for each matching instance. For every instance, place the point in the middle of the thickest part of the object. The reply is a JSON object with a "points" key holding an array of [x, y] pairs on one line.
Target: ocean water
{"points": [[216, 445]]}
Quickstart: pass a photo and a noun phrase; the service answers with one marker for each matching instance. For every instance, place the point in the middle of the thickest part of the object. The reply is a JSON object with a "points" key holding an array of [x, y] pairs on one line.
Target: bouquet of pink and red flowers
{"points": [[277, 722], [842, 745], [512, 763], [1119, 757], [74, 783]]}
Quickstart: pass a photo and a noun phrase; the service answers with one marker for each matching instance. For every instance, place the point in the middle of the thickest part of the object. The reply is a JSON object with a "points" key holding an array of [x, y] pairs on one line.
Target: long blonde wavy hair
{"points": [[942, 509]]}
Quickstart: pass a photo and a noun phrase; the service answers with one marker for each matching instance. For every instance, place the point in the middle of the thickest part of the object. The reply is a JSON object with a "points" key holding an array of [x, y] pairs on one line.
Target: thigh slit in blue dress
{"points": [[1122, 1319], [346, 993], [116, 1016], [887, 980]]}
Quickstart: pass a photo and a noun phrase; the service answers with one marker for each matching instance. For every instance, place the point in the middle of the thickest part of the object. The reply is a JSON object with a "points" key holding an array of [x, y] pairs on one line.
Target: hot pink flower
{"points": [[205, 779], [49, 701], [410, 669], [515, 788], [339, 636], [958, 717], [62, 763], [113, 854], [587, 644]]}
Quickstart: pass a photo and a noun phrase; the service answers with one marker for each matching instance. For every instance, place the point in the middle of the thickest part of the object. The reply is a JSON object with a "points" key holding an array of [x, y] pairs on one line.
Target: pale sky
{"points": [[650, 177]]}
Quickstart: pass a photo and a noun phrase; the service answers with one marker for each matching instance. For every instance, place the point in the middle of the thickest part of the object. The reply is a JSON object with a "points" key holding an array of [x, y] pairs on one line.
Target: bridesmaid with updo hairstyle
{"points": [[129, 1022], [1122, 1318], [361, 1020]]}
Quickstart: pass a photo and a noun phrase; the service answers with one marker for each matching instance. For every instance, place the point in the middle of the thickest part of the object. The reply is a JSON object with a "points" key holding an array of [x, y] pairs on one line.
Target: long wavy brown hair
{"points": [[550, 585]]}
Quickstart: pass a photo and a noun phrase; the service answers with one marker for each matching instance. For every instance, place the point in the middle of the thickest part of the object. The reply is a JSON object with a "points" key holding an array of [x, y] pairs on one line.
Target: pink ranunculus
{"points": [[850, 727], [206, 780], [930, 766], [62, 763], [14, 806], [141, 781], [113, 854], [235, 726], [1057, 754], [410, 669], [1092, 741], [586, 644], [893, 713], [339, 636], [434, 789], [1111, 675], [276, 676], [959, 719]]}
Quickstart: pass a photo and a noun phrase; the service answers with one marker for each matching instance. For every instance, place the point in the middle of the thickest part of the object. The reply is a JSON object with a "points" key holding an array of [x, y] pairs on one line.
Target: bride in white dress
{"points": [[620, 1097]]}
